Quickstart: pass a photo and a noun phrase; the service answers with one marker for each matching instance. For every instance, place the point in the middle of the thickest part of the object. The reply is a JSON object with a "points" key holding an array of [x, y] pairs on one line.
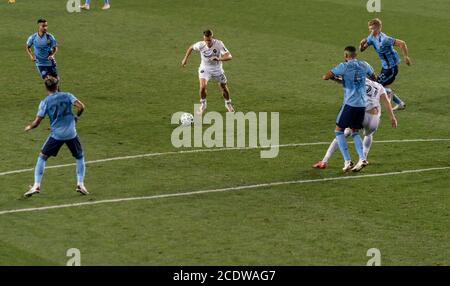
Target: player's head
{"points": [[42, 25], [51, 84], [208, 36], [349, 53], [374, 26]]}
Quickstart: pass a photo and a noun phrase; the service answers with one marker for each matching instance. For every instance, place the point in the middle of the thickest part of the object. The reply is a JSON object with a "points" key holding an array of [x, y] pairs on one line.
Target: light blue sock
{"points": [[358, 145], [343, 146], [396, 99], [39, 170], [81, 171], [88, 2], [106, 2]]}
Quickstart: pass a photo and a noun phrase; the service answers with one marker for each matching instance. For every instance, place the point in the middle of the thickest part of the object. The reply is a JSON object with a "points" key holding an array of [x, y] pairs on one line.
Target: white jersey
{"points": [[374, 90], [217, 49]]}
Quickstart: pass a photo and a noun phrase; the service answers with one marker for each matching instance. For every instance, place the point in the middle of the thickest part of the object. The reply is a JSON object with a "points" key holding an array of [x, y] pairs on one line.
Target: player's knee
{"points": [[43, 156]]}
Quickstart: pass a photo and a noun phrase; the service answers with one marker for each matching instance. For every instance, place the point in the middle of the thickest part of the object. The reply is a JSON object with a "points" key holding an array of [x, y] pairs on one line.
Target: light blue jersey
{"points": [[43, 47], [384, 46], [353, 73], [58, 107]]}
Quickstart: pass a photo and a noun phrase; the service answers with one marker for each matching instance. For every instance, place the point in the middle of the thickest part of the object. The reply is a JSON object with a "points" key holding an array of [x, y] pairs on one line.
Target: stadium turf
{"points": [[124, 64]]}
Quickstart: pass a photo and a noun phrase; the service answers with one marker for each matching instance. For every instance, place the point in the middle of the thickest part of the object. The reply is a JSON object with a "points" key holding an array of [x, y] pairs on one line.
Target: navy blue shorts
{"points": [[352, 117], [45, 71], [387, 76], [51, 147]]}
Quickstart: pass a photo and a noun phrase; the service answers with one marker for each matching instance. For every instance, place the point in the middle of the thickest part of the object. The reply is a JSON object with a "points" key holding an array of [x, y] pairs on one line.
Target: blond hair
{"points": [[376, 22]]}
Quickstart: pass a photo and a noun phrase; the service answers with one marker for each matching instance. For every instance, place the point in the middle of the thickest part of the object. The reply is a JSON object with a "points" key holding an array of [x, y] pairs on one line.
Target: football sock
{"points": [[39, 171], [80, 171], [106, 1], [367, 143], [330, 151], [343, 146], [358, 145], [396, 99], [88, 2]]}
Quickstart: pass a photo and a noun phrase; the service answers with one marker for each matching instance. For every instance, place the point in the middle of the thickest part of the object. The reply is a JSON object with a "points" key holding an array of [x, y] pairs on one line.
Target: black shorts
{"points": [[387, 76], [351, 117], [51, 147], [45, 71]]}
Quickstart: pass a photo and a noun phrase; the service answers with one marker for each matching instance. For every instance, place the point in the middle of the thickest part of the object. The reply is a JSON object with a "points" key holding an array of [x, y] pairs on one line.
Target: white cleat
{"points": [[201, 109], [82, 190], [106, 7], [229, 106], [85, 7], [33, 190], [348, 165], [401, 106], [361, 164]]}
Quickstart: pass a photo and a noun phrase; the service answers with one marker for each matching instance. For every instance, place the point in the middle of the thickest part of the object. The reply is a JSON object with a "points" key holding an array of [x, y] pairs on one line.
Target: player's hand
{"points": [[33, 58], [408, 61], [184, 62], [214, 58], [28, 128], [51, 57], [394, 122]]}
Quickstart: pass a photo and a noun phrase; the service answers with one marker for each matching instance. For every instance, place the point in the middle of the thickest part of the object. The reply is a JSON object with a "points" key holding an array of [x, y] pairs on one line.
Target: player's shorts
{"points": [[218, 75], [351, 117], [52, 146], [45, 71], [387, 76], [370, 124]]}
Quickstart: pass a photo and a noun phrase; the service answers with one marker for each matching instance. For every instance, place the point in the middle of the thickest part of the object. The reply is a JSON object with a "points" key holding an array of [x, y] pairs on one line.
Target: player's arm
{"points": [[363, 45], [225, 57], [51, 56], [80, 108], [328, 75], [34, 124], [404, 48], [387, 105], [30, 53], [186, 56]]}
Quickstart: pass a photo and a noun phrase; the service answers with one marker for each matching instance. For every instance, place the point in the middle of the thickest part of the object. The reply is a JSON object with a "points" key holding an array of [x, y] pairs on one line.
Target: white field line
{"points": [[244, 187], [210, 150]]}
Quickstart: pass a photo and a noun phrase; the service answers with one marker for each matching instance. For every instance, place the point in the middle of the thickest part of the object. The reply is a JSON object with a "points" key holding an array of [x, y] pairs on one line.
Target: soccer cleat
{"points": [[82, 190], [33, 190], [201, 109], [106, 7], [348, 165], [320, 165], [401, 106], [85, 7], [229, 106], [361, 164]]}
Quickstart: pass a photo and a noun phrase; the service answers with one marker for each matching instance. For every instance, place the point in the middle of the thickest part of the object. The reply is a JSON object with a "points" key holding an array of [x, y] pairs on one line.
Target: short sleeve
{"points": [[388, 41], [223, 49], [30, 40], [370, 40], [382, 90], [369, 69], [339, 69], [72, 98], [53, 42], [197, 46], [42, 110]]}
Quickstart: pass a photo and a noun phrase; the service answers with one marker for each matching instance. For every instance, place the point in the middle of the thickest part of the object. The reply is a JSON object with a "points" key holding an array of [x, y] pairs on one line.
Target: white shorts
{"points": [[370, 124], [217, 75]]}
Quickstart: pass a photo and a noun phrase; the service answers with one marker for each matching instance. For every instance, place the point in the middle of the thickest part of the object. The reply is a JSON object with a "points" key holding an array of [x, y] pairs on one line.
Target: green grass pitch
{"points": [[125, 65]]}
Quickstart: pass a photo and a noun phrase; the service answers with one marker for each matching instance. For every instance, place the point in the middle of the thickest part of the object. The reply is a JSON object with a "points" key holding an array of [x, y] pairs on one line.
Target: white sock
{"points": [[367, 142], [36, 185], [333, 147]]}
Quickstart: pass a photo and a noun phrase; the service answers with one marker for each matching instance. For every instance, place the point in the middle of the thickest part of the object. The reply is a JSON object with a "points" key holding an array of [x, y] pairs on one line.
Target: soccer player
{"points": [[58, 107], [351, 115], [87, 5], [384, 46], [375, 93], [213, 52], [45, 49]]}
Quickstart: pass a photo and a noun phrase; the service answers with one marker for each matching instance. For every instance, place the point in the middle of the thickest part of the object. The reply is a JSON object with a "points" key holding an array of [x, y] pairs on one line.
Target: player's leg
{"points": [[106, 5], [87, 5], [323, 164], [387, 78], [203, 83], [76, 149], [50, 148], [343, 121], [358, 114], [371, 122], [226, 96]]}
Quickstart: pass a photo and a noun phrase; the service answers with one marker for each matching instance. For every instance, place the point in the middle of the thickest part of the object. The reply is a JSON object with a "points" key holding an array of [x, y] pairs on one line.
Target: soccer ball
{"points": [[186, 119]]}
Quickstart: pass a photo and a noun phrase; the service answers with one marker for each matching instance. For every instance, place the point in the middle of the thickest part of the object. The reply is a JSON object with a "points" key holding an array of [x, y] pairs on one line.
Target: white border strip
{"points": [[209, 150], [245, 187]]}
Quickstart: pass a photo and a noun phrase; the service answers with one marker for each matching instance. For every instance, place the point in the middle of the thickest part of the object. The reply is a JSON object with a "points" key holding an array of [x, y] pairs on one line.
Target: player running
{"points": [[58, 107], [384, 46], [375, 93], [351, 115], [87, 5], [45, 49], [213, 52]]}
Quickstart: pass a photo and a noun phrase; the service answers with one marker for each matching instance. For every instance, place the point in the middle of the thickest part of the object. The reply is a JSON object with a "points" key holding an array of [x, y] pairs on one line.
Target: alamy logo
{"points": [[73, 6], [230, 131], [375, 255], [373, 6], [75, 257]]}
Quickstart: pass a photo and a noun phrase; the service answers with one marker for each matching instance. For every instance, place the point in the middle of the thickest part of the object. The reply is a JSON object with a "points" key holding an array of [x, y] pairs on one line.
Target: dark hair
{"points": [[42, 20], [351, 51], [208, 33], [51, 83]]}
